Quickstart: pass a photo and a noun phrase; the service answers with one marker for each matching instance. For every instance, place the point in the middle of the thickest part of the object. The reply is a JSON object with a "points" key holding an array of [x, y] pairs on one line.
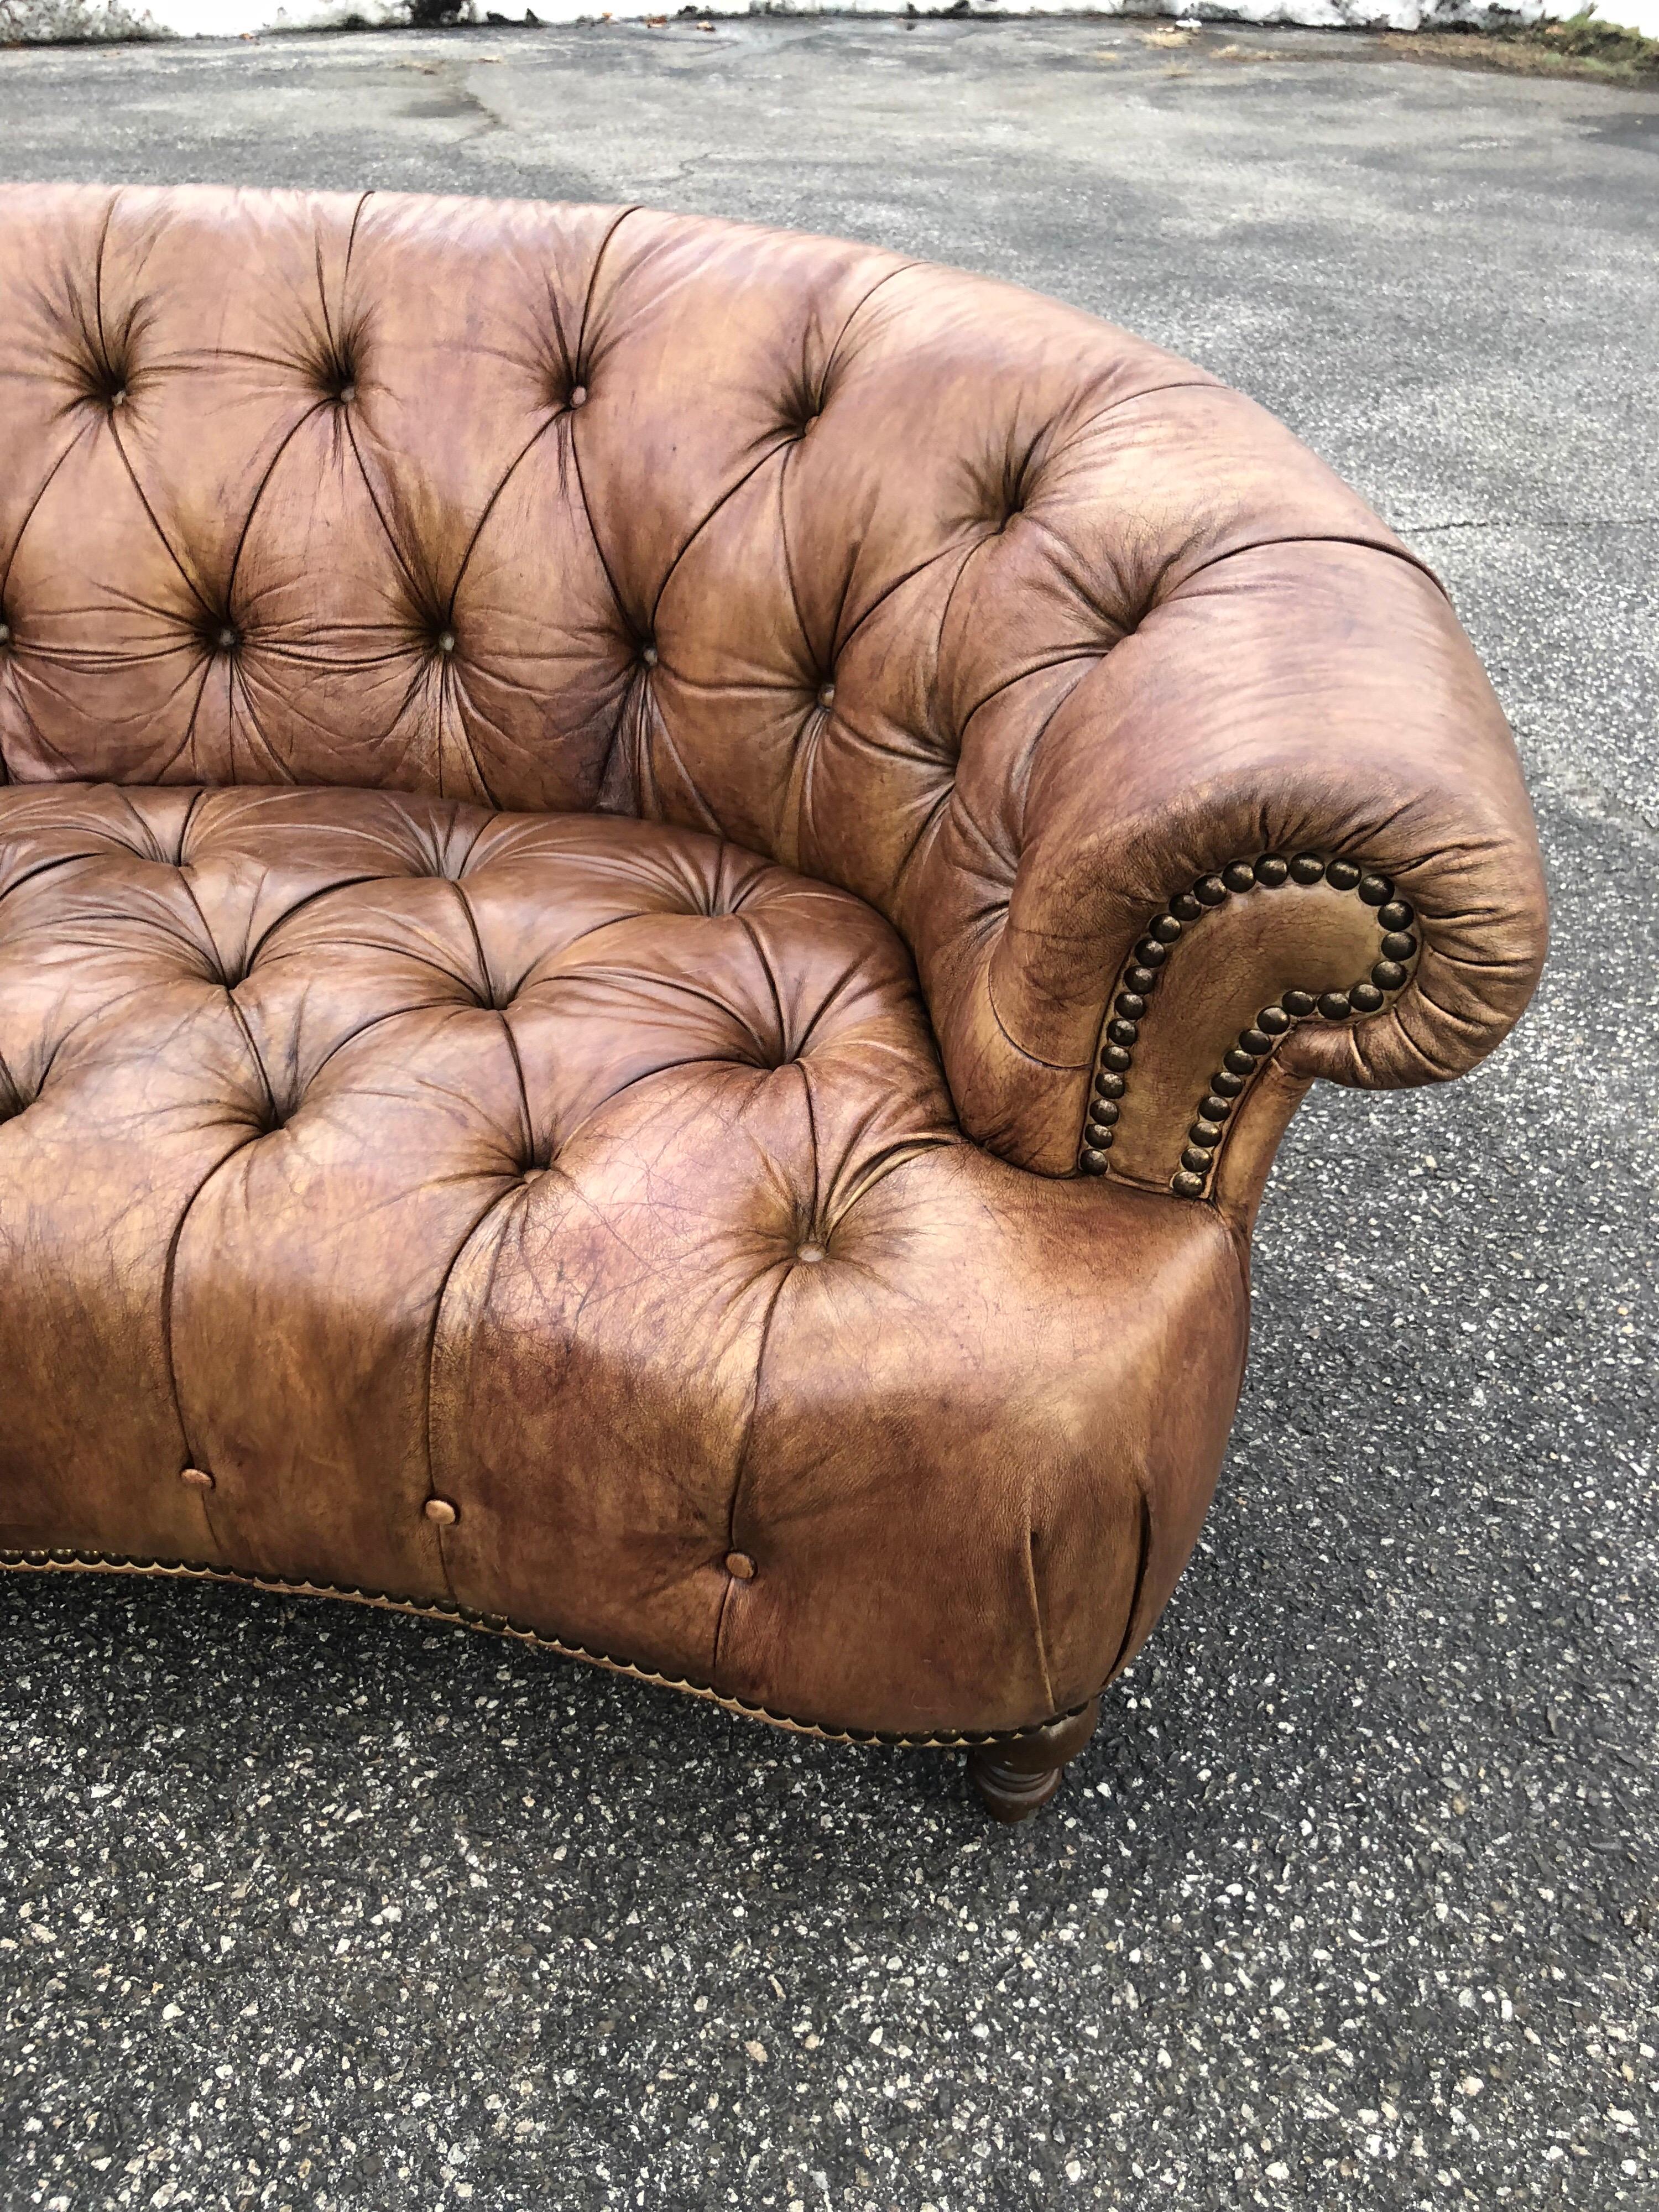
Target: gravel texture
{"points": [[1350, 1902]]}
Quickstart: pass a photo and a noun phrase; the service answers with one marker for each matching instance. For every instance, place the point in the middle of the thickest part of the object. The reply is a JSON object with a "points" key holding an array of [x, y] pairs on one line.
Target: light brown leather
{"points": [[581, 789]]}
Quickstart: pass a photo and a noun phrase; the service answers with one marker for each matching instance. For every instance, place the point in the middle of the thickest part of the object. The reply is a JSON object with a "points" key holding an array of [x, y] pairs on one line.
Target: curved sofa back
{"points": [[895, 575]]}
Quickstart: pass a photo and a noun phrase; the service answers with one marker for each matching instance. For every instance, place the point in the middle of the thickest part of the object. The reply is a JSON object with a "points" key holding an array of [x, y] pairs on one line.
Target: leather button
{"points": [[579, 395], [811, 1254], [439, 1510], [5, 633], [227, 640], [826, 694], [649, 655], [445, 640], [197, 1477], [740, 1566]]}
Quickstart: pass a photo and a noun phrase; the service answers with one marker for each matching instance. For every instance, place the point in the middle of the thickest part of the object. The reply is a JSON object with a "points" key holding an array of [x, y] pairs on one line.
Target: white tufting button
{"points": [[439, 1510], [445, 640]]}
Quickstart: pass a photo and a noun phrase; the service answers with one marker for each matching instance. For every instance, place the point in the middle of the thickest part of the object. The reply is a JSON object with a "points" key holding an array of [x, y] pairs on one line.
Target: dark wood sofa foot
{"points": [[1014, 1779]]}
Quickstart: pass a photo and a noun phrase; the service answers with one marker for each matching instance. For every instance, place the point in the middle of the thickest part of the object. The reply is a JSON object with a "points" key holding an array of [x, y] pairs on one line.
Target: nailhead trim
{"points": [[496, 1623], [1257, 1041]]}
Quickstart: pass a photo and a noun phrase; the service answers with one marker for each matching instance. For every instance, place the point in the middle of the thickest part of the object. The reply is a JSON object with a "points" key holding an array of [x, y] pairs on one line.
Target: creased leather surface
{"points": [[952, 596], [561, 764], [600, 1179]]}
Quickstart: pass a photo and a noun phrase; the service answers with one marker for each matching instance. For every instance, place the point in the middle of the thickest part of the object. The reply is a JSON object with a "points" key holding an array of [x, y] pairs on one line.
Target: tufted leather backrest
{"points": [[952, 596]]}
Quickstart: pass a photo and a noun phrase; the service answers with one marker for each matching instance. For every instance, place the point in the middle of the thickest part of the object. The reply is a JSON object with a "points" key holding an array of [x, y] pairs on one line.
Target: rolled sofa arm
{"points": [[1279, 832]]}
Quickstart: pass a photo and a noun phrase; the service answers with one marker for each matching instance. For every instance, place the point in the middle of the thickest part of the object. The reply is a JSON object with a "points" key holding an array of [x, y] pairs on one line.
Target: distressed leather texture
{"points": [[577, 786]]}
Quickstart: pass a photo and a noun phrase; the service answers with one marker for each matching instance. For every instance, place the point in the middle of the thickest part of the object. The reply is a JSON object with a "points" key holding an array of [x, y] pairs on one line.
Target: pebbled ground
{"points": [[1352, 1903]]}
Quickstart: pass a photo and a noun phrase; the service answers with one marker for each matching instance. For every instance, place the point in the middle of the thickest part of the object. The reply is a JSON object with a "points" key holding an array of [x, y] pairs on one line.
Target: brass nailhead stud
{"points": [[1341, 875], [1238, 876], [740, 1566], [197, 1477], [1270, 871], [439, 1510], [1307, 868], [1187, 1184], [1397, 915]]}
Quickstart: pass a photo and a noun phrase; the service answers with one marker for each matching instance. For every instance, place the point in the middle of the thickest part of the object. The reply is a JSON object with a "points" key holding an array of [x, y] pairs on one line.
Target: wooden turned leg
{"points": [[1016, 1777]]}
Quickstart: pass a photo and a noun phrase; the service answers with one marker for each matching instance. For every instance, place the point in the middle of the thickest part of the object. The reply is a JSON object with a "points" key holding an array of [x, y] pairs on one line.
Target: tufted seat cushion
{"points": [[597, 1179]]}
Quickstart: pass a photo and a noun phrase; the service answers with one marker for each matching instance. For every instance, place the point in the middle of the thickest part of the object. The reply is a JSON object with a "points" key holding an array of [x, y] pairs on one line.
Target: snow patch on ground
{"points": [[31, 22]]}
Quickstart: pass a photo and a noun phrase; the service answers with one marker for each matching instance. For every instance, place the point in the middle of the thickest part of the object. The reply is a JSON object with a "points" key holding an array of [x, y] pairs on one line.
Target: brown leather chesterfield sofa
{"points": [[663, 890]]}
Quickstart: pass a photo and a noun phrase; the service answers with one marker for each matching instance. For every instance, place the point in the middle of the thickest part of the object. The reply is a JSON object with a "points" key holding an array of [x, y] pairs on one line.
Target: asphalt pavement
{"points": [[1352, 1902]]}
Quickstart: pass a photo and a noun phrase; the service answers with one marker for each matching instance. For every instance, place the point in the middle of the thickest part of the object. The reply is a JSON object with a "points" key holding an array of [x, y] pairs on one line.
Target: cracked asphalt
{"points": [[1351, 1901]]}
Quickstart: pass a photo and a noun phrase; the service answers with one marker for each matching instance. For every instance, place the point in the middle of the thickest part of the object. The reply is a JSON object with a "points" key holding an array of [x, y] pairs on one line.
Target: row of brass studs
{"points": [[1140, 976], [496, 1623]]}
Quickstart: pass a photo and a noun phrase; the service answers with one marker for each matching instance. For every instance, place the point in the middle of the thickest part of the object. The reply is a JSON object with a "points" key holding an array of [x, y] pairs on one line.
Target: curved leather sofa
{"points": [[663, 889]]}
